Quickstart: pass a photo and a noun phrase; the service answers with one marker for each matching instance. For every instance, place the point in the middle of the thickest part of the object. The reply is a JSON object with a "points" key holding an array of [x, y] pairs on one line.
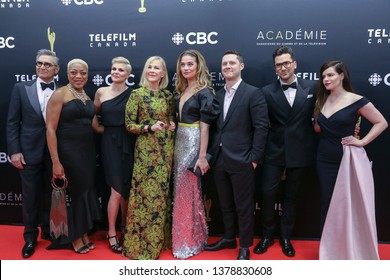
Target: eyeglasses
{"points": [[286, 64], [45, 64]]}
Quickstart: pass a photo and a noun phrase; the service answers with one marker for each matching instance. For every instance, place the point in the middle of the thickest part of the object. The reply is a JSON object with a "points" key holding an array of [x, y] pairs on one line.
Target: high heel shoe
{"points": [[88, 243], [116, 247], [79, 247]]}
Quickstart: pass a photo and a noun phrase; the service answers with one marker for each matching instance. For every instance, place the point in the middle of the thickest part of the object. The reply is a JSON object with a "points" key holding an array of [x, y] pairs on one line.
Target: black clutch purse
{"points": [[193, 162]]}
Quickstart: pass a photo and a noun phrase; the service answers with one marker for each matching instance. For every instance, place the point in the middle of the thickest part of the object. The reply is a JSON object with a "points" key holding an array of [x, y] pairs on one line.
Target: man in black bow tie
{"points": [[49, 85], [26, 140], [289, 149]]}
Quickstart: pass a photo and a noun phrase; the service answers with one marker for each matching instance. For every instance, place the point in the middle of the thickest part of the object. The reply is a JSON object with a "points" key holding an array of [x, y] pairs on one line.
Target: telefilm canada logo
{"points": [[376, 79], [378, 36], [195, 38], [313, 76], [112, 40], [82, 2], [14, 4], [29, 77], [298, 37]]}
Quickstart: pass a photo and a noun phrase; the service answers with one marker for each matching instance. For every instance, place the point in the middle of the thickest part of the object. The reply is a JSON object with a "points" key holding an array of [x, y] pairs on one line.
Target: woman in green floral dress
{"points": [[150, 115]]}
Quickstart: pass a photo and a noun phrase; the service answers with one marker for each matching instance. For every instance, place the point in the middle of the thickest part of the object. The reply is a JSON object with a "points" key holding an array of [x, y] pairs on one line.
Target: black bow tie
{"points": [[292, 85], [49, 85]]}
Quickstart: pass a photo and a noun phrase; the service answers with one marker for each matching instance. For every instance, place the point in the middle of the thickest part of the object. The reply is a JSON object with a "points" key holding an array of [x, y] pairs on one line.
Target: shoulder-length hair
{"points": [[164, 81], [322, 92]]}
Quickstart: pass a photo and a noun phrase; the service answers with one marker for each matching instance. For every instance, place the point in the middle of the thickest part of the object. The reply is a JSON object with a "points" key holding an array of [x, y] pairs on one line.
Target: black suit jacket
{"points": [[26, 128], [291, 140], [243, 133]]}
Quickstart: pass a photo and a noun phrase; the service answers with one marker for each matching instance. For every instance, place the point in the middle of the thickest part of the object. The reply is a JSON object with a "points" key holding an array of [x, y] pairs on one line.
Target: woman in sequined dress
{"points": [[150, 115], [196, 109]]}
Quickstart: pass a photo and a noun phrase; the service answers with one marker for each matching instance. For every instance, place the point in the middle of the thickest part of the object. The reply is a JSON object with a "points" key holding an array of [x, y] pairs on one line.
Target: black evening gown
{"points": [[330, 150], [117, 144], [76, 151]]}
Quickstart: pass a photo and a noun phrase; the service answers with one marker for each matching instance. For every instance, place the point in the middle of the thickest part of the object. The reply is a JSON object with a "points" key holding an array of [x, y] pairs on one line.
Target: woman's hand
{"points": [[352, 141], [202, 164], [171, 126], [58, 170], [159, 125]]}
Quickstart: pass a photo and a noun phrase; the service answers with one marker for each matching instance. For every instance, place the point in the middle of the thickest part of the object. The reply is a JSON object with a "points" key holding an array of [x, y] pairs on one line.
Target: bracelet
{"points": [[149, 128]]}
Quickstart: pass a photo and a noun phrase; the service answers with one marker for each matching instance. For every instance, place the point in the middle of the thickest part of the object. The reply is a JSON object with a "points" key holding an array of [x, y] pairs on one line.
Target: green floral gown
{"points": [[148, 222]]}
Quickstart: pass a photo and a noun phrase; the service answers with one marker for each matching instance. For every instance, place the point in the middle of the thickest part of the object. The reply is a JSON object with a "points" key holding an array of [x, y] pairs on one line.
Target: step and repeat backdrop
{"points": [[357, 32]]}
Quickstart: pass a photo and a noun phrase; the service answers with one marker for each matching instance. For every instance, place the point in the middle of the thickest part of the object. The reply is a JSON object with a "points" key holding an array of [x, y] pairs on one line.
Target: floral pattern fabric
{"points": [[148, 222]]}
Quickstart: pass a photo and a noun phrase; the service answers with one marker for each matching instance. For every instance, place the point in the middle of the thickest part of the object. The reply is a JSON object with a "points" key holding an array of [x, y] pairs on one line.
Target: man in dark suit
{"points": [[289, 149], [238, 147], [26, 140]]}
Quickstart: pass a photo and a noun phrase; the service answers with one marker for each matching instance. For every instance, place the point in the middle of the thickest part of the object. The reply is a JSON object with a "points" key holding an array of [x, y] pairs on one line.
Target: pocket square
{"points": [[197, 170], [309, 96]]}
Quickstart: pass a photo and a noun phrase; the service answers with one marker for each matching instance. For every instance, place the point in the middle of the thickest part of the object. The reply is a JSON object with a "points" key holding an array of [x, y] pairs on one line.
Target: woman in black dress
{"points": [[117, 145], [336, 113], [69, 120]]}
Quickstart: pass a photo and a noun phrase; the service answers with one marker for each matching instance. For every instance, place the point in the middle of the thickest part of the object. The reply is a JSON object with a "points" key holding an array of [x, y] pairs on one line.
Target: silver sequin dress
{"points": [[189, 228]]}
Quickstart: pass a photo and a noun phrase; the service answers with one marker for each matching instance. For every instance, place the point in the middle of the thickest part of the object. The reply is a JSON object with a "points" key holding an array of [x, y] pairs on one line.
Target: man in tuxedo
{"points": [[26, 140], [289, 149], [238, 147]]}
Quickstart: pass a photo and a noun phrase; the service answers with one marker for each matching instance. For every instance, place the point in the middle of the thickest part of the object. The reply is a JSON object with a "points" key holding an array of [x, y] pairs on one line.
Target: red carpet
{"points": [[11, 243]]}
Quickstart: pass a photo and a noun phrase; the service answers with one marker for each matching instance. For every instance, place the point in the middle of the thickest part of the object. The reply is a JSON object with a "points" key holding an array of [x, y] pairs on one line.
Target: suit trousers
{"points": [[235, 188], [36, 197], [271, 188]]}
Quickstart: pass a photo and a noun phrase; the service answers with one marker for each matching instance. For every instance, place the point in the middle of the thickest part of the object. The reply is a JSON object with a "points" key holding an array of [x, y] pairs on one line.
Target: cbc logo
{"points": [[375, 79], [4, 158], [82, 2], [6, 42], [195, 38], [98, 80]]}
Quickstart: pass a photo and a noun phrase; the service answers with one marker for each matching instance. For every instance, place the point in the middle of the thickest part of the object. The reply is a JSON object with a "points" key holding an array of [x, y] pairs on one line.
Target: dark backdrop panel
{"points": [[98, 30]]}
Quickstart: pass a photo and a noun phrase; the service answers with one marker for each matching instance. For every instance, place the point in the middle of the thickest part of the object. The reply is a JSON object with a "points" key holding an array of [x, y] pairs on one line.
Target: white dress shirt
{"points": [[229, 97], [290, 92], [43, 96]]}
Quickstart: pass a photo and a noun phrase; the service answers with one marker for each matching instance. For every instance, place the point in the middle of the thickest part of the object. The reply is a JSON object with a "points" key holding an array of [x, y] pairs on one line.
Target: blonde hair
{"points": [[123, 60], [164, 80]]}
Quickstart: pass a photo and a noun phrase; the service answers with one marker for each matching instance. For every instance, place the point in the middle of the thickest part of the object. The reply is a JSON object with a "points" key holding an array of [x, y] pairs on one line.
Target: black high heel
{"points": [[116, 248], [80, 249]]}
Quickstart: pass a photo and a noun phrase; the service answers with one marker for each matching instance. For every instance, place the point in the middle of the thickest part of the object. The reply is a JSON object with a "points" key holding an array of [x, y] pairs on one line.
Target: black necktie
{"points": [[292, 85], [49, 85]]}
